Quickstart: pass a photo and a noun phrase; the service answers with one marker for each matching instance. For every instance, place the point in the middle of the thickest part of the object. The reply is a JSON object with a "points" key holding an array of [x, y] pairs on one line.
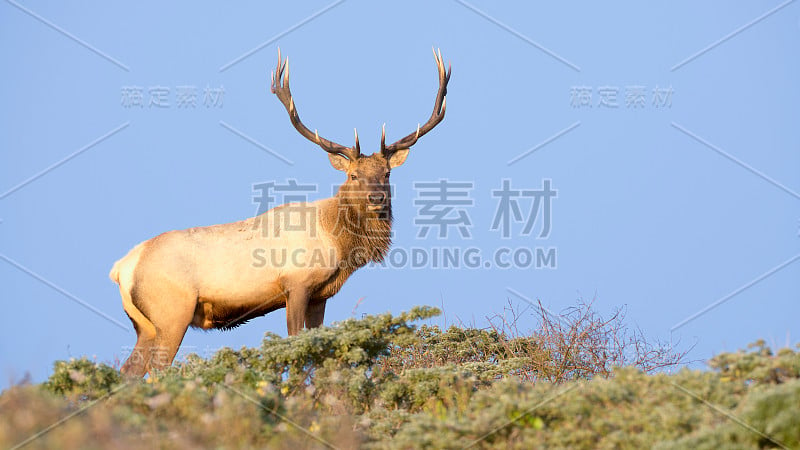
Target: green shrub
{"points": [[380, 382], [82, 378]]}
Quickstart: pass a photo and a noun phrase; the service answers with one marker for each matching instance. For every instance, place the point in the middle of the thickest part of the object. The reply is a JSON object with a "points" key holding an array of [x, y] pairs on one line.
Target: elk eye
{"points": [[353, 176], [387, 175]]}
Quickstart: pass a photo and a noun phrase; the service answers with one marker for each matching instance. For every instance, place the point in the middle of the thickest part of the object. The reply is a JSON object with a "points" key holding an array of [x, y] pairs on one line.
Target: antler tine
{"points": [[280, 87], [383, 138], [357, 147], [277, 74], [437, 115], [285, 72]]}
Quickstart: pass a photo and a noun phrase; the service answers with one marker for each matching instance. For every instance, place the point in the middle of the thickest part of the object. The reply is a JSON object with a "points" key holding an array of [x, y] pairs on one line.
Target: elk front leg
{"points": [[296, 308], [315, 314]]}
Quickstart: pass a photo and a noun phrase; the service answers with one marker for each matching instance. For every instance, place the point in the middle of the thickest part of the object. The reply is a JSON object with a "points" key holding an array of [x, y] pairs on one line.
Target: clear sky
{"points": [[663, 137]]}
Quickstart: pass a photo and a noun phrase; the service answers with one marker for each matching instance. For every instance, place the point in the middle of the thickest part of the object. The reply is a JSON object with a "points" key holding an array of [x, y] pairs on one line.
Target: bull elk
{"points": [[296, 255]]}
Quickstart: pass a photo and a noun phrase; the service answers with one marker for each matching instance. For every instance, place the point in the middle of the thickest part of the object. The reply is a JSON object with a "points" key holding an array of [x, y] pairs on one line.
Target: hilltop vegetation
{"points": [[577, 381]]}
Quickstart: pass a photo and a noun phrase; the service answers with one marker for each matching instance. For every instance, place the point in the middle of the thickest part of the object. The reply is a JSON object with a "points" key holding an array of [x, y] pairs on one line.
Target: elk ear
{"points": [[398, 158], [339, 162]]}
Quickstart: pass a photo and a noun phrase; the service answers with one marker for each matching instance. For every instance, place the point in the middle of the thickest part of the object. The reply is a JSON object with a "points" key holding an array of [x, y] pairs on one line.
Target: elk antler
{"points": [[436, 117], [280, 87]]}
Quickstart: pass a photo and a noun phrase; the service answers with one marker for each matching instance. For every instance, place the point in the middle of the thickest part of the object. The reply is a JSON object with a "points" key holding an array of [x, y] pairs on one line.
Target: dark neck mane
{"points": [[362, 236]]}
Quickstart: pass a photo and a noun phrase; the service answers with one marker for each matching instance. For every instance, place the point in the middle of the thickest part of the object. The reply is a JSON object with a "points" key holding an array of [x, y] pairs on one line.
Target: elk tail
{"points": [[122, 274], [114, 274], [128, 261]]}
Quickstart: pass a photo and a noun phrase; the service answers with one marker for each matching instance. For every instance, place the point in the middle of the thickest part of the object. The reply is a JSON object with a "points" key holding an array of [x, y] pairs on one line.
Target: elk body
{"points": [[294, 256]]}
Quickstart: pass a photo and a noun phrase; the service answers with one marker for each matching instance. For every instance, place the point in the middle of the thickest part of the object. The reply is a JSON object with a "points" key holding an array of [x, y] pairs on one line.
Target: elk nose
{"points": [[376, 198]]}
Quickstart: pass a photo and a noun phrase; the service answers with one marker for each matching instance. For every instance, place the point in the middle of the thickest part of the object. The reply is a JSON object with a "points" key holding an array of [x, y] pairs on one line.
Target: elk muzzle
{"points": [[376, 201]]}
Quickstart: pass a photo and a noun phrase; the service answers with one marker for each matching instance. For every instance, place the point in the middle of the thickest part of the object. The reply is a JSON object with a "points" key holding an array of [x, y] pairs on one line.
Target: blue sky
{"points": [[668, 131]]}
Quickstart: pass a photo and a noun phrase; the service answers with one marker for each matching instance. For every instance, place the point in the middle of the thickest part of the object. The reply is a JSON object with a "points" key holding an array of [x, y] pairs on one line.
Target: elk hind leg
{"points": [[171, 327], [138, 362], [167, 343], [170, 309]]}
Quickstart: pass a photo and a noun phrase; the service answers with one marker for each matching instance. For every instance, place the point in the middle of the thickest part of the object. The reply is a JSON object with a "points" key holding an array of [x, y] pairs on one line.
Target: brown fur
{"points": [[208, 277], [224, 275]]}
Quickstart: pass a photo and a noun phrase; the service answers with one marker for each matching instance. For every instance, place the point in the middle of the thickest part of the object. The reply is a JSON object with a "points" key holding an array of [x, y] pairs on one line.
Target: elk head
{"points": [[367, 185]]}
